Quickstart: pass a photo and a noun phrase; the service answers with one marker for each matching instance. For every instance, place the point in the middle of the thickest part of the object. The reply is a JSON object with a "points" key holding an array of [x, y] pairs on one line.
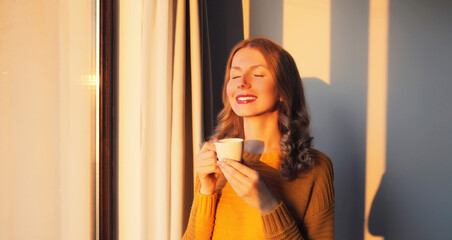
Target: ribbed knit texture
{"points": [[306, 210]]}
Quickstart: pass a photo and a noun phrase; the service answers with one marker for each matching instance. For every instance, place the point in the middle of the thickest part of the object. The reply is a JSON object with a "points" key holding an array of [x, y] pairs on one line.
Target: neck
{"points": [[262, 133]]}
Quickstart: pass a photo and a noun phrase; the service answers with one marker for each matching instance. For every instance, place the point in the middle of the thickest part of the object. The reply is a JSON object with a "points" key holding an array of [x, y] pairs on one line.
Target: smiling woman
{"points": [[283, 188], [251, 89]]}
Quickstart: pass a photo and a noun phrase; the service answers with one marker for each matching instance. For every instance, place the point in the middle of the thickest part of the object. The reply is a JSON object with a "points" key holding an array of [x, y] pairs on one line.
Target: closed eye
{"points": [[235, 77], [257, 75]]}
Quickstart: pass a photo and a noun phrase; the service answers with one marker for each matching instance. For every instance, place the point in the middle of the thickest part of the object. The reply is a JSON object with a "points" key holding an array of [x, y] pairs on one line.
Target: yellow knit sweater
{"points": [[306, 210]]}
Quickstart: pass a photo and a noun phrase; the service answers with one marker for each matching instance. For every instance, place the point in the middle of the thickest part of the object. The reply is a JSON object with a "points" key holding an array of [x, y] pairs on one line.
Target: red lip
{"points": [[251, 98]]}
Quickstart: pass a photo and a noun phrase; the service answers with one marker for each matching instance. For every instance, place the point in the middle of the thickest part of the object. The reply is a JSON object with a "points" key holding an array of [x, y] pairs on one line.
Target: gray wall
{"points": [[415, 195]]}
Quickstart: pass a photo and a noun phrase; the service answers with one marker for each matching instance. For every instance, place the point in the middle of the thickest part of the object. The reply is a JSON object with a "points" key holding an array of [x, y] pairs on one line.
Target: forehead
{"points": [[246, 57]]}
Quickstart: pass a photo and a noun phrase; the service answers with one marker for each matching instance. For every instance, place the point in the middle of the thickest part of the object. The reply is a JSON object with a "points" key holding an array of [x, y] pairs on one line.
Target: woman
{"points": [[283, 189]]}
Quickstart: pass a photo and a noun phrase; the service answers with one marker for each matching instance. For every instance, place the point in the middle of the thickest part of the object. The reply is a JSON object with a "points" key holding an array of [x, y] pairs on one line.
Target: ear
{"points": [[280, 99]]}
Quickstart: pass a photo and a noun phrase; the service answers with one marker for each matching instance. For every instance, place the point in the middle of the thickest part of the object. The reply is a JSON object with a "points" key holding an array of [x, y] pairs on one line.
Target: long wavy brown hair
{"points": [[293, 120]]}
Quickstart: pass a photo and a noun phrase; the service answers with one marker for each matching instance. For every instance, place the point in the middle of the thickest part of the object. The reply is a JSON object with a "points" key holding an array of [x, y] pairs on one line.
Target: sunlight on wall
{"points": [[246, 18], [307, 36], [376, 103]]}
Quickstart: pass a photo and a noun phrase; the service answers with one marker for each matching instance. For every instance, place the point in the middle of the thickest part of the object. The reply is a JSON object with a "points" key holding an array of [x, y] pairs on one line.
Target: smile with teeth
{"points": [[245, 98]]}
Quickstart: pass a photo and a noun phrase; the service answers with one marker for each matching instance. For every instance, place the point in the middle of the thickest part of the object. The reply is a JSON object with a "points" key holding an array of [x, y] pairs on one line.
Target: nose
{"points": [[243, 82]]}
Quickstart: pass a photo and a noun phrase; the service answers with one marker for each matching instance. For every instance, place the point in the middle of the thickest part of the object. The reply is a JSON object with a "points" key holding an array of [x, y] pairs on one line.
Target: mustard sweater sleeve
{"points": [[278, 224], [318, 222], [202, 215]]}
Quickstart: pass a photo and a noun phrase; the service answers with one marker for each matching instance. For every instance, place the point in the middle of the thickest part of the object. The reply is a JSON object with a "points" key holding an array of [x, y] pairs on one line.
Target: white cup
{"points": [[231, 148]]}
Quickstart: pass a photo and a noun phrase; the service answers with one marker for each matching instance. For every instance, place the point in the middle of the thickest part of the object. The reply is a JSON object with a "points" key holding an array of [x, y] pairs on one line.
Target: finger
{"points": [[240, 167], [208, 155], [233, 174], [230, 180], [209, 169], [207, 158], [206, 170], [208, 146], [207, 162]]}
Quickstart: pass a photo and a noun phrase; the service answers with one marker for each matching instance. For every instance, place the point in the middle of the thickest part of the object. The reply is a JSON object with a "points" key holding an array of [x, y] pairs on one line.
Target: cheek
{"points": [[229, 90], [270, 90]]}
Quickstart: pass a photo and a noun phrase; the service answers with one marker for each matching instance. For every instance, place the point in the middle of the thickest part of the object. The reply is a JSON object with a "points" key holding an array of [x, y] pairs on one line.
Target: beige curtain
{"points": [[47, 119], [159, 130]]}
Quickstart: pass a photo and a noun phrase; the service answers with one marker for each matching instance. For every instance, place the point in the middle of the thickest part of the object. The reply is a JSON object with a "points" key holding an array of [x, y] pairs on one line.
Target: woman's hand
{"points": [[249, 185], [207, 168]]}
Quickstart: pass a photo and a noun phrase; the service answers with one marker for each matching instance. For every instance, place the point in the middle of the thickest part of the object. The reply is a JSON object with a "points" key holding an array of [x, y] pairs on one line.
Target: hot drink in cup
{"points": [[230, 148]]}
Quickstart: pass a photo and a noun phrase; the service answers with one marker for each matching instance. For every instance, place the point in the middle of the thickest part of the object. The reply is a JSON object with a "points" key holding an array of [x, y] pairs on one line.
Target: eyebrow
{"points": [[252, 67]]}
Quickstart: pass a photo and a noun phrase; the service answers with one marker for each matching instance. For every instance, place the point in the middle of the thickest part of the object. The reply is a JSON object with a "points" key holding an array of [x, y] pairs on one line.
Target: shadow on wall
{"points": [[340, 132], [338, 113], [413, 201]]}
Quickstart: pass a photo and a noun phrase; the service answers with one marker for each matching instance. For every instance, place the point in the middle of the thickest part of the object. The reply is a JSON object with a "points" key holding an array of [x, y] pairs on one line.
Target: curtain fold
{"points": [[196, 77], [178, 126], [206, 71], [131, 170], [157, 80], [160, 116]]}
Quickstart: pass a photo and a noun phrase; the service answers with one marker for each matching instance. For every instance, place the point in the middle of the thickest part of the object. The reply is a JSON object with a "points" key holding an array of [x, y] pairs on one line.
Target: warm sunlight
{"points": [[308, 38], [376, 103], [246, 18]]}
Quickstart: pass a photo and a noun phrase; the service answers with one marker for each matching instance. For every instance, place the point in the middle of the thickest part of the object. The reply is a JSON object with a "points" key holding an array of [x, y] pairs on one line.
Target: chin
{"points": [[247, 114], [239, 111]]}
